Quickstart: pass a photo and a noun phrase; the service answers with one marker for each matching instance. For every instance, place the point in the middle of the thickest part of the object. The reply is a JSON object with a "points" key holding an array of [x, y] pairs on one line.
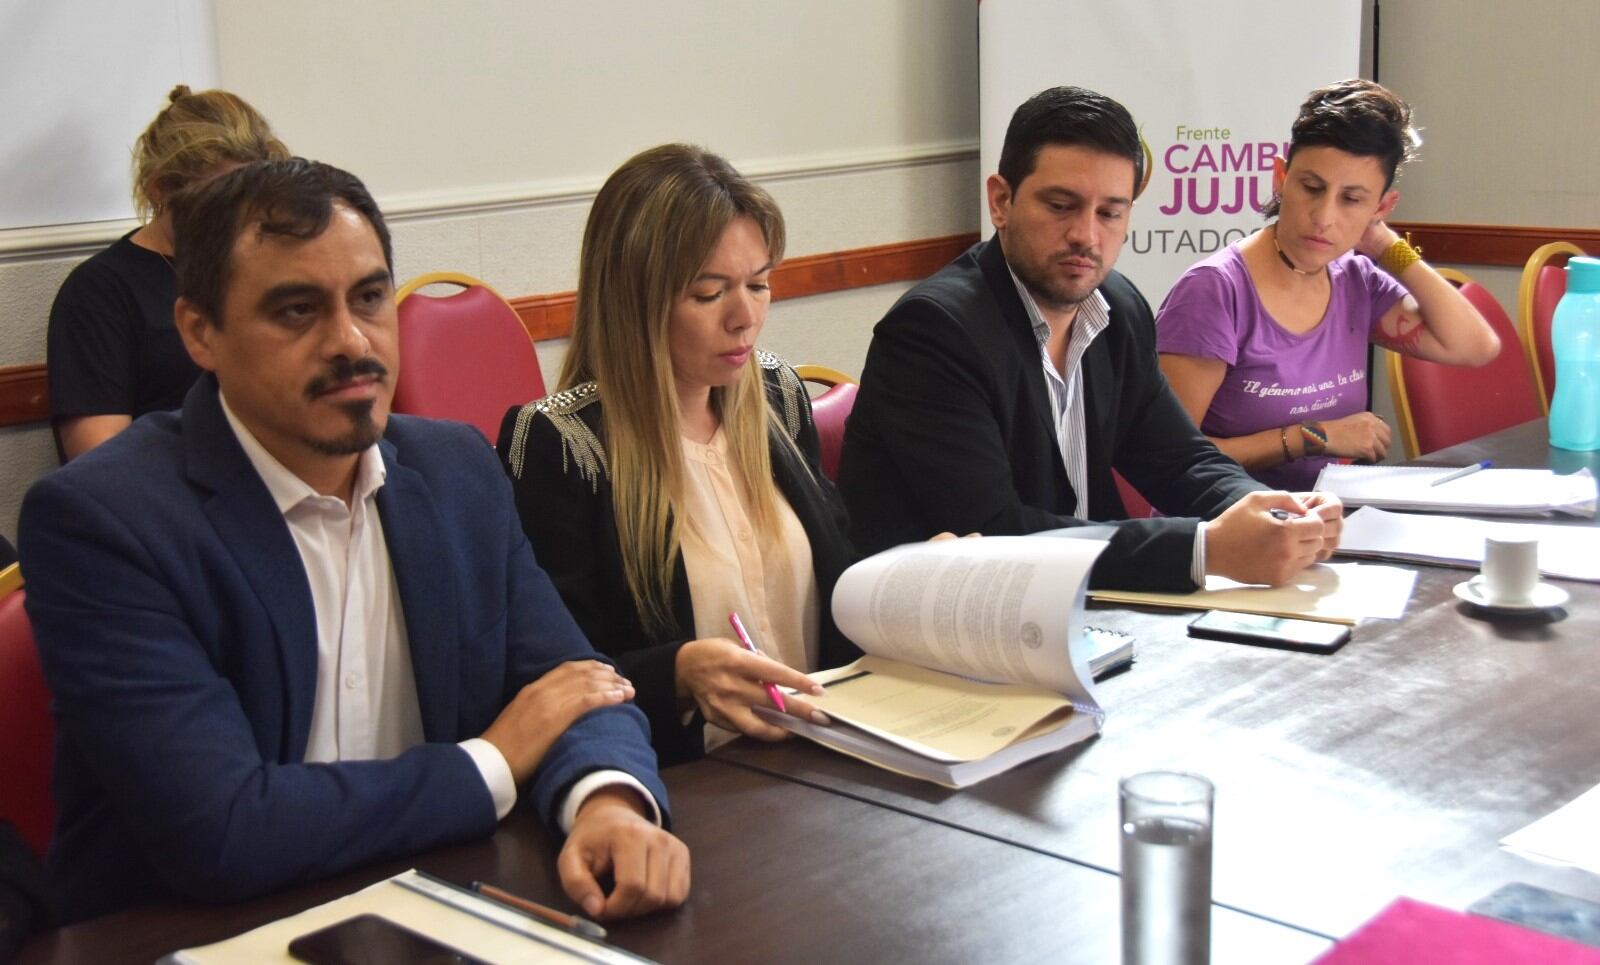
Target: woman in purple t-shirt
{"points": [[1265, 341]]}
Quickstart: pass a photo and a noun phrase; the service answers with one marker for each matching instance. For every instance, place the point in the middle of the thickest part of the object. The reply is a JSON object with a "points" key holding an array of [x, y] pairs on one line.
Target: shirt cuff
{"points": [[594, 781], [1197, 565], [496, 774]]}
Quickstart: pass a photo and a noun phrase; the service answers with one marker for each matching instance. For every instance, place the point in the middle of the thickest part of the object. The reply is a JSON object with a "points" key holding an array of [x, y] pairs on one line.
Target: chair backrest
{"points": [[1441, 405], [830, 411], [1544, 281], [464, 356], [27, 733], [1132, 500]]}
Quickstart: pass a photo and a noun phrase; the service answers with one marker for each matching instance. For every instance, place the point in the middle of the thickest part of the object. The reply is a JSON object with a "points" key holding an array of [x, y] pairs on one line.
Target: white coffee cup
{"points": [[1510, 570]]}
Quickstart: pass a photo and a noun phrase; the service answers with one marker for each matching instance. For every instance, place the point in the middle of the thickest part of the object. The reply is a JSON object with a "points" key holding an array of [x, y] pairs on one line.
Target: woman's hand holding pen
{"points": [[726, 681]]}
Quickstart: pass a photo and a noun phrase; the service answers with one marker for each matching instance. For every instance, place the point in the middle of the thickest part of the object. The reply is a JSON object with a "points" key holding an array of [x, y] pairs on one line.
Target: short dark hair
{"points": [[293, 198], [1358, 117], [1070, 116]]}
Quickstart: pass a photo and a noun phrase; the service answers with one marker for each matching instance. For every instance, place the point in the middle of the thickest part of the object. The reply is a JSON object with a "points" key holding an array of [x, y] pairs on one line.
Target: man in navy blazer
{"points": [[288, 633]]}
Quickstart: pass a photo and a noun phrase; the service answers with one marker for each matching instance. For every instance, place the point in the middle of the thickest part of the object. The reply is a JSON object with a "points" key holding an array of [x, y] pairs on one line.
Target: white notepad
{"points": [[465, 921], [1490, 492], [1567, 551]]}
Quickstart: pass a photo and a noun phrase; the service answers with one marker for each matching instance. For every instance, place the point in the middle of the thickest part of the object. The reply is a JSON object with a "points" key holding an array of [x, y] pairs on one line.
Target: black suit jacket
{"points": [[554, 451], [953, 429]]}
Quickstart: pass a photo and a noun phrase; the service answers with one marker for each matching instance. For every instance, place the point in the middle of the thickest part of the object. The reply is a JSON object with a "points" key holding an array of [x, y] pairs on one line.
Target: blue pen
{"points": [[1464, 471]]}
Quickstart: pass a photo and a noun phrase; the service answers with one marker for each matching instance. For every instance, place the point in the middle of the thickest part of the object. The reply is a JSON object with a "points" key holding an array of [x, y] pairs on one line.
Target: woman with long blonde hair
{"points": [[672, 480], [113, 352]]}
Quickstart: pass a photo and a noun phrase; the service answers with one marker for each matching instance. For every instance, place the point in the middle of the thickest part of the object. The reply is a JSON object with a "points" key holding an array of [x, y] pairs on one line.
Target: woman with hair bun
{"points": [[113, 353], [1265, 342]]}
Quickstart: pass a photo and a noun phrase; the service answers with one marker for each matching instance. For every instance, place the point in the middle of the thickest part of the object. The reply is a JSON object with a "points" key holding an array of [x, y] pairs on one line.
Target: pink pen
{"points": [[744, 638]]}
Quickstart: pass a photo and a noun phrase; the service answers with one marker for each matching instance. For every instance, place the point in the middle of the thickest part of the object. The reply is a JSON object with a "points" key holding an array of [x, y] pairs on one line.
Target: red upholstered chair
{"points": [[830, 410], [27, 733], [1132, 500], [1441, 405], [464, 356], [1544, 281]]}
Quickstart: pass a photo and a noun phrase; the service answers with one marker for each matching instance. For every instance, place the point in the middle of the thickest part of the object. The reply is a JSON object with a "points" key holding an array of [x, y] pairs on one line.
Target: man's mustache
{"points": [[344, 370], [1078, 252]]}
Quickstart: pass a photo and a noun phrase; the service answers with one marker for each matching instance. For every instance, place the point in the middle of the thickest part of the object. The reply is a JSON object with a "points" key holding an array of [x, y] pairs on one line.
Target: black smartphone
{"points": [[1313, 635], [374, 940]]}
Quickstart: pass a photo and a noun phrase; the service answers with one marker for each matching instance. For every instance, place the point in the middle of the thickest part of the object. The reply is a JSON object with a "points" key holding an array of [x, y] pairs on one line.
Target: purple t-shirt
{"points": [[1275, 377]]}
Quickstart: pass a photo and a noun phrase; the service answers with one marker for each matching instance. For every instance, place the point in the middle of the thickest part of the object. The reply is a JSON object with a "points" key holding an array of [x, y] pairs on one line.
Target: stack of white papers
{"points": [[1565, 552], [1564, 836], [1331, 592], [1489, 492]]}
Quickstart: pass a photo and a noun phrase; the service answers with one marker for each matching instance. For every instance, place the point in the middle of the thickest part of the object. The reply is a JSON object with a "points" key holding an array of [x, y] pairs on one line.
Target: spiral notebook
{"points": [[1490, 492]]}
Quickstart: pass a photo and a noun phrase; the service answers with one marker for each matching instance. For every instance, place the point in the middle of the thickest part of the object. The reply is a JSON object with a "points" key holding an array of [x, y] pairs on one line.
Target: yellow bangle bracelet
{"points": [[1399, 257]]}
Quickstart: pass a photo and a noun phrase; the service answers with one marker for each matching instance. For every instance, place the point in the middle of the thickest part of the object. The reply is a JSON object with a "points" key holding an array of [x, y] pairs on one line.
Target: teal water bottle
{"points": [[1575, 342]]}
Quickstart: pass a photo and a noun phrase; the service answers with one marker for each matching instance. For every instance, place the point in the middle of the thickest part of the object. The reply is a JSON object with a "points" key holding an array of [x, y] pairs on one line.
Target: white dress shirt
{"points": [[365, 706], [1066, 400]]}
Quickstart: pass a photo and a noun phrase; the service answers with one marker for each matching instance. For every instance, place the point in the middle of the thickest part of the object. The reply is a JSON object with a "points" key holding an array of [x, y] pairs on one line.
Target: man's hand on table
{"points": [[614, 834], [1268, 537]]}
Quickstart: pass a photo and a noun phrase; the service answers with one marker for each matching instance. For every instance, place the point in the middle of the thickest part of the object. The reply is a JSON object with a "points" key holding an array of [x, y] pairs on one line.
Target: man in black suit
{"points": [[999, 394]]}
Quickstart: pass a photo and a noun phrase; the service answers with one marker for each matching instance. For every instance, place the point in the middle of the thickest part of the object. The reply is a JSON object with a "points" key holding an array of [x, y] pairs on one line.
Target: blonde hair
{"points": [[652, 227], [191, 137]]}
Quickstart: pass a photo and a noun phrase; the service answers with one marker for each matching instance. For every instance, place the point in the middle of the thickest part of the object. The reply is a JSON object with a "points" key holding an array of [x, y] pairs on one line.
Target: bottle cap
{"points": [[1583, 274]]}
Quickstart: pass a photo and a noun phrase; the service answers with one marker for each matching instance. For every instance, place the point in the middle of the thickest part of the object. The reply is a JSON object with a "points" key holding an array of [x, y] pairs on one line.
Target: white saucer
{"points": [[1545, 596]]}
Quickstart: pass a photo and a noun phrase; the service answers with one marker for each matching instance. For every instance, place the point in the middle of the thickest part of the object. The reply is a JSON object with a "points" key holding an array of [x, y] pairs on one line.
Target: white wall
{"points": [[1505, 94], [484, 126]]}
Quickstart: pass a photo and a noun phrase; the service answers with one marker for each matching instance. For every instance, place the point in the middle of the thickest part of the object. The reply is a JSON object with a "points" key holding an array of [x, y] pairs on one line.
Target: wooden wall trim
{"points": [[24, 394], [23, 389], [550, 316], [546, 316], [1482, 244]]}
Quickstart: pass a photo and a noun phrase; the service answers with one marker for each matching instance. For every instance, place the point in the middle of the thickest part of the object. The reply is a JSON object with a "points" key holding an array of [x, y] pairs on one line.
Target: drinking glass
{"points": [[1166, 868]]}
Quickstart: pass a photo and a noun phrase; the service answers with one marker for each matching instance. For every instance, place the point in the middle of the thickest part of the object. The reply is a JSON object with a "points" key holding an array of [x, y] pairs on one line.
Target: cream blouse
{"points": [[770, 583]]}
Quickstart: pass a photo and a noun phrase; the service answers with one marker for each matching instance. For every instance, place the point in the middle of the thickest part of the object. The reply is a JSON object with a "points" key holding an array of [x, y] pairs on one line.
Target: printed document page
{"points": [[1000, 608], [941, 716]]}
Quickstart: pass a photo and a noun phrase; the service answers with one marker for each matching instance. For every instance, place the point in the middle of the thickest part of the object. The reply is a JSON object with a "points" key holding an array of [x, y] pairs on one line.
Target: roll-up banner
{"points": [[1213, 86]]}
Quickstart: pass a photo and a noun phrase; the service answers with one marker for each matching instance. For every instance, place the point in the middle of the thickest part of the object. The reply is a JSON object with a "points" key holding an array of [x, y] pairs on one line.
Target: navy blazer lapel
{"points": [[1014, 317], [246, 519], [425, 578]]}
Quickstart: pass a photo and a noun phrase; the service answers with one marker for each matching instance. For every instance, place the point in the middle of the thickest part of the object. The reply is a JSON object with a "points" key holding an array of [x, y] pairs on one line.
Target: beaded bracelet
{"points": [[1283, 437], [1316, 438], [1398, 257]]}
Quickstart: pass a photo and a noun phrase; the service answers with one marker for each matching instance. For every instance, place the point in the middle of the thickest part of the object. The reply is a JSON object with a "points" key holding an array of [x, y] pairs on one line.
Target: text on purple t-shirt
{"points": [[1276, 378]]}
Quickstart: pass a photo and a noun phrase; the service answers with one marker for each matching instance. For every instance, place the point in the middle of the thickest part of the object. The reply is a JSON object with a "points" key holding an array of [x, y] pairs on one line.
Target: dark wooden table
{"points": [[1392, 767], [1526, 446], [782, 873]]}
